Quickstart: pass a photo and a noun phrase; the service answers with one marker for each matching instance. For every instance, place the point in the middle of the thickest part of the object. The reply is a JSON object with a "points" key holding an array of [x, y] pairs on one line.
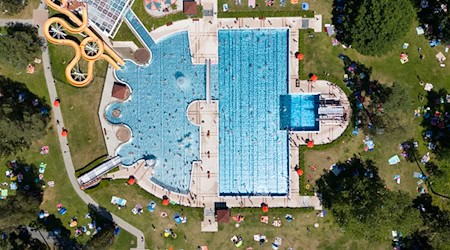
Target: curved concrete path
{"points": [[57, 115]]}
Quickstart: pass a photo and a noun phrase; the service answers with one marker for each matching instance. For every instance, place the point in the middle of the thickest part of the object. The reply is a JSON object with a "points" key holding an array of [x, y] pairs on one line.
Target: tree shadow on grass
{"points": [[59, 232], [436, 123], [433, 18], [369, 96], [356, 184], [23, 114]]}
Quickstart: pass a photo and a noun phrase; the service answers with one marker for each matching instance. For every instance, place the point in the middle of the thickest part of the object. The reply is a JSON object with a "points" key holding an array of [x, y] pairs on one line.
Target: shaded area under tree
{"points": [[23, 116]]}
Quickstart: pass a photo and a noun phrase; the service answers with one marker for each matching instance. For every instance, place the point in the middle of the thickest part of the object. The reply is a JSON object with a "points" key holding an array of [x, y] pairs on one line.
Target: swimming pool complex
{"points": [[250, 82], [253, 74]]}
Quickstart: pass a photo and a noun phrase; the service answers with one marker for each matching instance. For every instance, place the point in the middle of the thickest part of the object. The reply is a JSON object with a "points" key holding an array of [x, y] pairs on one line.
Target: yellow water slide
{"points": [[111, 57]]}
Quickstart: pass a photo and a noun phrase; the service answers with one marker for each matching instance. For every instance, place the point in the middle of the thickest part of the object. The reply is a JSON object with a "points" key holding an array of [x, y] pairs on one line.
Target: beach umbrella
{"points": [[131, 180], [64, 133], [56, 103], [264, 207], [310, 144], [313, 78], [299, 172], [165, 201], [153, 5], [299, 56], [170, 1]]}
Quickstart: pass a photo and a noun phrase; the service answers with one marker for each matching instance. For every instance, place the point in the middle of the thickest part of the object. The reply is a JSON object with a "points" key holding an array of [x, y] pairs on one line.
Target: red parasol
{"points": [[300, 57], [265, 209], [166, 200], [131, 180], [299, 172], [313, 78], [56, 103], [310, 144], [64, 133]]}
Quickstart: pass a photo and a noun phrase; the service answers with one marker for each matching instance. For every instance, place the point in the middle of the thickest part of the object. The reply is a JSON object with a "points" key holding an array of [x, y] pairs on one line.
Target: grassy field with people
{"points": [[320, 58]]}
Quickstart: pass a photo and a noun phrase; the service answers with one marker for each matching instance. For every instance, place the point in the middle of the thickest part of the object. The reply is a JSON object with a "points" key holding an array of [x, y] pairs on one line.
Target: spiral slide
{"points": [[90, 49]]}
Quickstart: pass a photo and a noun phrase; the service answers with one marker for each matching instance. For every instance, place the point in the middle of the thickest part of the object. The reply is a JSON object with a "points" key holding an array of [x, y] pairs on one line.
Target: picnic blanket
{"points": [[225, 7], [151, 206], [394, 160], [118, 201]]}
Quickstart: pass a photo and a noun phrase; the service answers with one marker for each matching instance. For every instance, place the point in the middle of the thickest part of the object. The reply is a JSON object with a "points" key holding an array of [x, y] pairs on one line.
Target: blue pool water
{"points": [[299, 112], [156, 110], [253, 73]]}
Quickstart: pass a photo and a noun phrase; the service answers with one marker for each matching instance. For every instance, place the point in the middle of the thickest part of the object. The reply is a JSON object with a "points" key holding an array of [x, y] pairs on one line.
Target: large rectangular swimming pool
{"points": [[253, 74]]}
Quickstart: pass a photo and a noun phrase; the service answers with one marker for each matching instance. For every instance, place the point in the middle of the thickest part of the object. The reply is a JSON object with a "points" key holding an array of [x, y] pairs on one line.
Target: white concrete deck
{"points": [[203, 33], [109, 130], [329, 130]]}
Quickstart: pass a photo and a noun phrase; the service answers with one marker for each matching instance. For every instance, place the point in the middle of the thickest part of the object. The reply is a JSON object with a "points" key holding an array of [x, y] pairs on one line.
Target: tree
{"points": [[104, 238], [369, 96], [372, 26], [20, 45], [433, 16], [436, 122], [12, 6], [418, 240], [21, 239], [357, 197], [435, 220], [21, 209], [394, 106], [23, 116]]}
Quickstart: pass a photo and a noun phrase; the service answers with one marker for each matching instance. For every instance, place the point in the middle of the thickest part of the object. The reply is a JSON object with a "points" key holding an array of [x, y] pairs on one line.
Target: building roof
{"points": [[120, 91], [99, 170], [107, 14], [190, 7], [223, 216]]}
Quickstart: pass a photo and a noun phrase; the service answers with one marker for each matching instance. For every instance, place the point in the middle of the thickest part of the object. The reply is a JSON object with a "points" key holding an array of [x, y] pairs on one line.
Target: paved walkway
{"points": [[330, 129], [57, 115], [4, 22]]}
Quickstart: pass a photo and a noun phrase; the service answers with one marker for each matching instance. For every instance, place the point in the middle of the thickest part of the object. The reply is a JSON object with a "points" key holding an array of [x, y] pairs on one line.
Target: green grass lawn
{"points": [[62, 192], [80, 111], [85, 135], [125, 34], [321, 56], [152, 23], [124, 241], [236, 9], [294, 234], [26, 13]]}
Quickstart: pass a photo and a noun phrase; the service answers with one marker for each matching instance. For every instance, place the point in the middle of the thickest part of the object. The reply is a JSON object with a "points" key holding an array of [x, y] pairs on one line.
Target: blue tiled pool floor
{"points": [[249, 81], [156, 111], [253, 150]]}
